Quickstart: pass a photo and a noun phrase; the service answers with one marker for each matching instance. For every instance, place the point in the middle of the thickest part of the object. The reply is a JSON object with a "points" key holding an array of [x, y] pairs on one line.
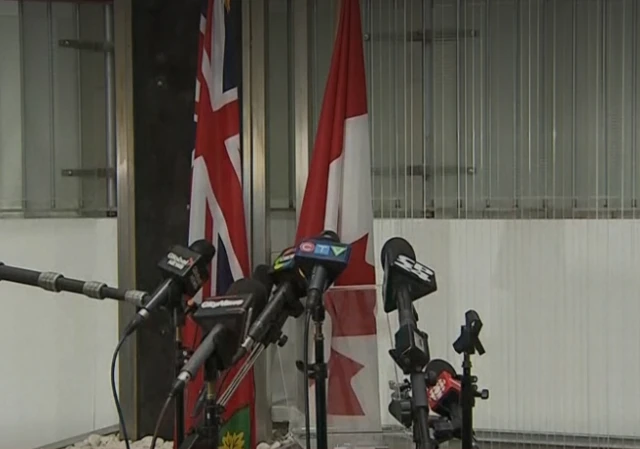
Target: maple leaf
{"points": [[352, 314], [342, 400]]}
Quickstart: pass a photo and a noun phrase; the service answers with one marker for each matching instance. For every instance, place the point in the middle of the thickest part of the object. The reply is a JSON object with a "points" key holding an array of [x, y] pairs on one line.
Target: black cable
{"points": [[307, 418], [164, 409], [114, 390]]}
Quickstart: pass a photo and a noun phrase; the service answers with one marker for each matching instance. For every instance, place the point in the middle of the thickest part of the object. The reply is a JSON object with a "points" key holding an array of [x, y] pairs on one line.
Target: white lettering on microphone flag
{"points": [[338, 197]]}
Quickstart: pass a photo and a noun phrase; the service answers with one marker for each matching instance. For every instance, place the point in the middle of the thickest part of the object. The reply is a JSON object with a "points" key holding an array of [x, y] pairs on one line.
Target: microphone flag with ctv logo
{"points": [[338, 197], [216, 208]]}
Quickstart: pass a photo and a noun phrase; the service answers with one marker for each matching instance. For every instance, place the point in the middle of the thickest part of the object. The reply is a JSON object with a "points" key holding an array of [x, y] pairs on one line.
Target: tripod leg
{"points": [[190, 442]]}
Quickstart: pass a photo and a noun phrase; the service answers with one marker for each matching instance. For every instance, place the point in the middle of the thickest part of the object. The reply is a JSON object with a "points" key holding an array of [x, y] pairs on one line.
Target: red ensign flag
{"points": [[216, 208], [338, 197]]}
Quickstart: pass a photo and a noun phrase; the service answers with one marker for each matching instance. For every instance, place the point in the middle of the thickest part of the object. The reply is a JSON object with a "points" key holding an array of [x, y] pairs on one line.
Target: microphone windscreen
{"points": [[261, 274], [251, 287], [394, 247], [204, 248], [438, 366], [328, 234]]}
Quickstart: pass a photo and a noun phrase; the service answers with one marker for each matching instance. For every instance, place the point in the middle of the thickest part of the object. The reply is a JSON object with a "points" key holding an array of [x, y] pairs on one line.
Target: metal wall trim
{"points": [[246, 120], [127, 370], [301, 26], [256, 195], [301, 89], [109, 62]]}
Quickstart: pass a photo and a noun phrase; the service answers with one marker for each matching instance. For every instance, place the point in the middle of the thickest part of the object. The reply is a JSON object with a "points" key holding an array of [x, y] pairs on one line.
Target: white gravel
{"points": [[112, 442]]}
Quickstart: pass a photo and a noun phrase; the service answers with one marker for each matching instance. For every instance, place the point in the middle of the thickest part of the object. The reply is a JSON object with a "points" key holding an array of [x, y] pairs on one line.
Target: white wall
{"points": [[56, 348], [559, 300]]}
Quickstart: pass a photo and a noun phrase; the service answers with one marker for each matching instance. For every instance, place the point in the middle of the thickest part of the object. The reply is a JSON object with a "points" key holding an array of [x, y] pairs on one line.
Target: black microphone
{"points": [[322, 260], [262, 274], [403, 275], [284, 303], [56, 282], [406, 280], [226, 320], [185, 271]]}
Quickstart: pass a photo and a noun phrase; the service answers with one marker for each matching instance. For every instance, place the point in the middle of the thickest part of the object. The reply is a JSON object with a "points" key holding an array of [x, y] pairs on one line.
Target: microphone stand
{"points": [[401, 409], [206, 434], [468, 343], [318, 372], [411, 354]]}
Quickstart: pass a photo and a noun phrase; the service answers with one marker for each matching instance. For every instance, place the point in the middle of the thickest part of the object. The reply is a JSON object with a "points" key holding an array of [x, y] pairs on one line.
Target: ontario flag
{"points": [[216, 209], [338, 197]]}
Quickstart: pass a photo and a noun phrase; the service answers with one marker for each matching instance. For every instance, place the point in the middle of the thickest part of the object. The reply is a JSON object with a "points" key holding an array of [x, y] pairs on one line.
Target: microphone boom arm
{"points": [[56, 282]]}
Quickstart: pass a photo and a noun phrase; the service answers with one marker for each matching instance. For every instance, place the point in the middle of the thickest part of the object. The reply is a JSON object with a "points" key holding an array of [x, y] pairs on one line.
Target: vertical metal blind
{"points": [[59, 137], [514, 111], [503, 108]]}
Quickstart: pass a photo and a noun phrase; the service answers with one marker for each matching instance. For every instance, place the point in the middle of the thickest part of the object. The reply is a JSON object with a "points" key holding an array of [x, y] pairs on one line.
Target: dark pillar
{"points": [[165, 47]]}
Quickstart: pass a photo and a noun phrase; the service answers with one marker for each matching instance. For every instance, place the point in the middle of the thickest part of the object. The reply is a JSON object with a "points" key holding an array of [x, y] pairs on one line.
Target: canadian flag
{"points": [[338, 197]]}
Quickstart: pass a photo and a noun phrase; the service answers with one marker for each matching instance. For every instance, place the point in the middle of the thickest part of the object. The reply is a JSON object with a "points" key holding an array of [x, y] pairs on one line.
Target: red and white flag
{"points": [[216, 208], [338, 197]]}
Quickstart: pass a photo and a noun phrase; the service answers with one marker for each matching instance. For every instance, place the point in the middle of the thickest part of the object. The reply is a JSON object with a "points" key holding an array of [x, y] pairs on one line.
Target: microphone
{"points": [[185, 271], [406, 280], [262, 274], [322, 260], [444, 394], [403, 273], [225, 319], [284, 303], [56, 282]]}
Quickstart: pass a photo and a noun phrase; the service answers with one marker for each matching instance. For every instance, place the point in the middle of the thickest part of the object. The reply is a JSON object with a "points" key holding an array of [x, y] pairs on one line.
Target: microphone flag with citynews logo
{"points": [[337, 197], [217, 206]]}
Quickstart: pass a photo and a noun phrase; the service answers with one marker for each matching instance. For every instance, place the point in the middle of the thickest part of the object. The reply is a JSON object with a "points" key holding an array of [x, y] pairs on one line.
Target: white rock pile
{"points": [[113, 442]]}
